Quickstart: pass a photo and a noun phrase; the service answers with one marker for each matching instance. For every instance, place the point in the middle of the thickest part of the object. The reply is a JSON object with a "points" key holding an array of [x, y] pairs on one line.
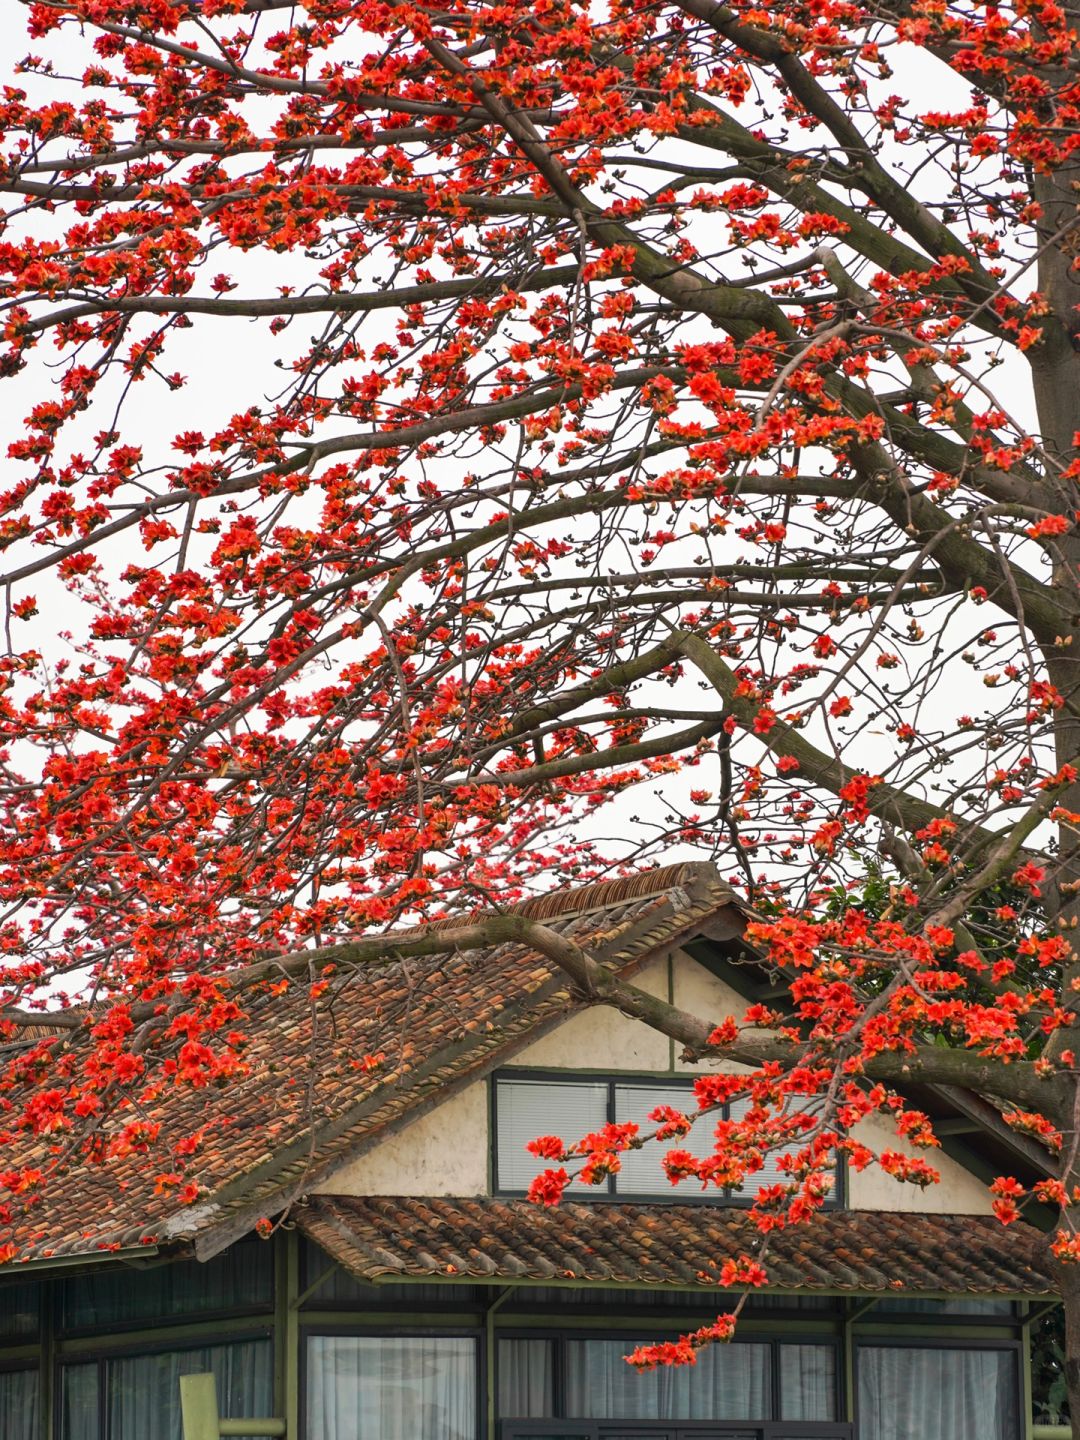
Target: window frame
{"points": [[475, 1333], [774, 1340], [141, 1324], [100, 1358], [762, 1429], [927, 1342], [32, 1366], [608, 1193]]}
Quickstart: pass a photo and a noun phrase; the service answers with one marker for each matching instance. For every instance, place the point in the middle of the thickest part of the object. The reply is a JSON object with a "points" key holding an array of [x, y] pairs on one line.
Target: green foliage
{"points": [[1049, 1392]]}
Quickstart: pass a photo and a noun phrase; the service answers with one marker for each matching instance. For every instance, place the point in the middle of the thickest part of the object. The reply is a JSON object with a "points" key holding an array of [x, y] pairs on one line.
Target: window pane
{"points": [[144, 1390], [526, 1379], [939, 1394], [19, 1404], [770, 1173], [642, 1170], [729, 1382], [79, 1402], [528, 1108], [19, 1311], [957, 1305], [807, 1382], [391, 1388], [240, 1278]]}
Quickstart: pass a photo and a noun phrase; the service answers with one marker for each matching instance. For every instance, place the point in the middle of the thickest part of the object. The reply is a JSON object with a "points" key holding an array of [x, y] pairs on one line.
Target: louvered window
{"points": [[527, 1106]]}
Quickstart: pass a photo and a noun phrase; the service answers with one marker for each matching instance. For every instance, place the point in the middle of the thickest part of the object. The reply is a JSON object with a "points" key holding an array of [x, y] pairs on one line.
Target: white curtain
{"points": [[938, 1394], [79, 1415], [807, 1382], [407, 1387], [19, 1404], [144, 1390], [729, 1382], [526, 1387]]}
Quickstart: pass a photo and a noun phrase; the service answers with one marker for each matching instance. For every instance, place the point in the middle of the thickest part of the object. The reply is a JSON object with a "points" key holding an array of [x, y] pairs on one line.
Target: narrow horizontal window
{"points": [[241, 1278], [528, 1106], [955, 1305]]}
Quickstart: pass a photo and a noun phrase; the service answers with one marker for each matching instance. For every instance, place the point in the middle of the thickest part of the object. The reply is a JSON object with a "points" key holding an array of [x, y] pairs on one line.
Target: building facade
{"points": [[409, 1292]]}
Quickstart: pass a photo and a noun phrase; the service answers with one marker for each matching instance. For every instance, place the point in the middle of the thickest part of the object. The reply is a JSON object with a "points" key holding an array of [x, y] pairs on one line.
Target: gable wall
{"points": [[445, 1151]]}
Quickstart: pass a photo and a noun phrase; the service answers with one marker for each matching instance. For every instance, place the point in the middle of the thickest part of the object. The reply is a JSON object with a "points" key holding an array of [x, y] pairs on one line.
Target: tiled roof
{"points": [[839, 1252], [304, 1107]]}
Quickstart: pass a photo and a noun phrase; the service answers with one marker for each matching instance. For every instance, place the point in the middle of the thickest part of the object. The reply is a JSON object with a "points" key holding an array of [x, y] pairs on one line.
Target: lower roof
{"points": [[387, 1238]]}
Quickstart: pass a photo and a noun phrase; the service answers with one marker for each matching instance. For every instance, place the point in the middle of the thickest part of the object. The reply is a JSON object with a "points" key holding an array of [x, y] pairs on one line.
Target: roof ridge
{"points": [[695, 879]]}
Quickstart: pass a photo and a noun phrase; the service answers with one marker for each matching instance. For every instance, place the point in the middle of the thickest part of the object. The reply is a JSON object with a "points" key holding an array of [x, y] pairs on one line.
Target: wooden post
{"points": [[198, 1408]]}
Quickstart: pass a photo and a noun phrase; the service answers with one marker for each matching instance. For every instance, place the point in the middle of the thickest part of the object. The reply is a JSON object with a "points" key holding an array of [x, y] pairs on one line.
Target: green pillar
{"points": [[199, 1417], [290, 1329]]}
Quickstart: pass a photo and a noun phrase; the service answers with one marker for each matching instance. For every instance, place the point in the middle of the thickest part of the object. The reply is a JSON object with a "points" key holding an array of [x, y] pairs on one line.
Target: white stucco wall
{"points": [[445, 1151], [602, 1039], [959, 1192], [442, 1153]]}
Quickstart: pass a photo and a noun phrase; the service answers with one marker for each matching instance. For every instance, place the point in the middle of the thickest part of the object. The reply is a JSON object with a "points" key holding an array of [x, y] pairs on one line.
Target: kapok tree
{"points": [[471, 448]]}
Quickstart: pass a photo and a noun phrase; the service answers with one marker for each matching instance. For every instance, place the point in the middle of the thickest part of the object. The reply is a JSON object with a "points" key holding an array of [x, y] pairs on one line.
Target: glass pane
{"points": [[705, 1300], [770, 1173], [19, 1404], [19, 1310], [526, 1379], [642, 1170], [79, 1402], [937, 1394], [240, 1278], [391, 1388], [528, 1108], [758, 1301], [807, 1382], [729, 1382], [957, 1305], [144, 1390]]}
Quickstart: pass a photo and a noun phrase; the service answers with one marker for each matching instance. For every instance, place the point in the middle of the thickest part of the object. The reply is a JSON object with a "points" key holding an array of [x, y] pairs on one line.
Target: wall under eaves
{"points": [[445, 1151]]}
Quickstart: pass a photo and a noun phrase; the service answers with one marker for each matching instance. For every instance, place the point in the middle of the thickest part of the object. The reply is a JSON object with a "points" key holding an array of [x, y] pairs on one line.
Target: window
{"points": [[19, 1305], [19, 1404], [580, 1378], [527, 1106], [957, 1305], [132, 1397], [807, 1382], [240, 1279], [408, 1387], [939, 1393], [729, 1382]]}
